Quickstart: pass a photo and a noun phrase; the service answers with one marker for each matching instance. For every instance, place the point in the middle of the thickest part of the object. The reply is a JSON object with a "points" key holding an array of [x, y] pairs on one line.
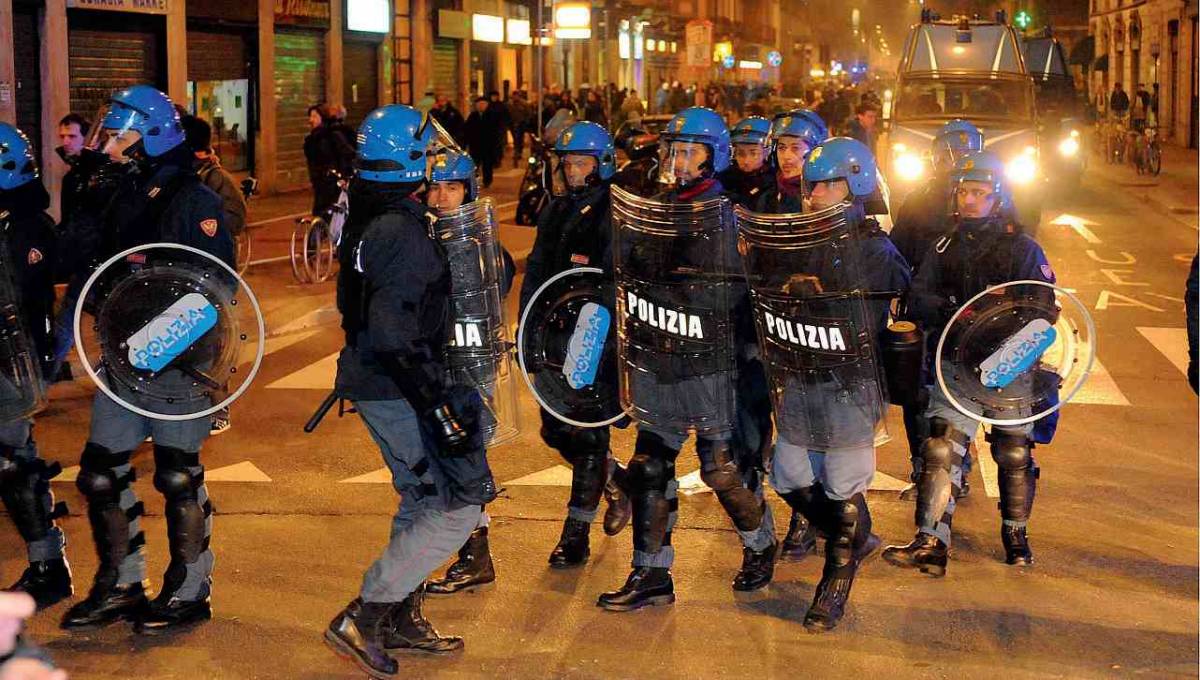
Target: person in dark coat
{"points": [[449, 117], [482, 129], [330, 157]]}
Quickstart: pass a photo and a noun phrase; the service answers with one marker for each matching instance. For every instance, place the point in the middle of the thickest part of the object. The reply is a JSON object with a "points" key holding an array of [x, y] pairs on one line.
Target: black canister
{"points": [[903, 350]]}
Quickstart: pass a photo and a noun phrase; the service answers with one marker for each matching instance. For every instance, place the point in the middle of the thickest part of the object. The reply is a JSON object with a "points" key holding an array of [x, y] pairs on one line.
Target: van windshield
{"points": [[926, 97]]}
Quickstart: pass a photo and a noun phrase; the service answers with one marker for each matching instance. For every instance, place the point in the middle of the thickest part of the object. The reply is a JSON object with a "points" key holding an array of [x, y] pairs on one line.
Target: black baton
{"points": [[320, 412]]}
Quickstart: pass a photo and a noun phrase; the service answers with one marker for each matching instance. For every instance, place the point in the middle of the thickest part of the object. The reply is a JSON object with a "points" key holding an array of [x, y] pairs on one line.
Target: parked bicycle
{"points": [[1147, 152], [315, 240], [242, 241]]}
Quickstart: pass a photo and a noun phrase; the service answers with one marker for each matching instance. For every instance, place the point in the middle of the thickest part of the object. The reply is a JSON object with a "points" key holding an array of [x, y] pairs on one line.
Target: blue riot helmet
{"points": [[841, 158], [17, 165], [804, 127], [987, 168], [394, 142], [583, 139], [147, 113], [751, 141], [696, 125], [454, 166], [954, 139]]}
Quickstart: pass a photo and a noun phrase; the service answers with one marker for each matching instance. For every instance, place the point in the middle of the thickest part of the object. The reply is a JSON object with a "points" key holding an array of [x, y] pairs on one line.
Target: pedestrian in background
{"points": [[329, 156], [450, 118], [481, 130]]}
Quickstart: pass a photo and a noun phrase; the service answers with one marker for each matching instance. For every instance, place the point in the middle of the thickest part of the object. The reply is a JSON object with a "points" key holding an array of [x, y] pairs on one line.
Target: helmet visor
{"points": [[681, 163]]}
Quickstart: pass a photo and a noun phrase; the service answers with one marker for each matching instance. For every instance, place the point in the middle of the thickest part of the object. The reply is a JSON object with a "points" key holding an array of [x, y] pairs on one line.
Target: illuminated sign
{"points": [[487, 28], [369, 16]]}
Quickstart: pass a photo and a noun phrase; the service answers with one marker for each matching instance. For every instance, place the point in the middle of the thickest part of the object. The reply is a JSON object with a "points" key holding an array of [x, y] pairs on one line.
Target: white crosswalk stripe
{"points": [[1172, 342]]}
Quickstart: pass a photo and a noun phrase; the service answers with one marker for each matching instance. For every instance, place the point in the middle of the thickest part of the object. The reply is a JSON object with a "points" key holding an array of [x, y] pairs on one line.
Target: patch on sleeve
{"points": [[209, 227], [35, 256], [580, 259], [358, 266], [1047, 272]]}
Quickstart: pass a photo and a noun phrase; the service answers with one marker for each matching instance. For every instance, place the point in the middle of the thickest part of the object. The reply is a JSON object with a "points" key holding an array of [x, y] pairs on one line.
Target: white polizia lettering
{"points": [[812, 336], [671, 321]]}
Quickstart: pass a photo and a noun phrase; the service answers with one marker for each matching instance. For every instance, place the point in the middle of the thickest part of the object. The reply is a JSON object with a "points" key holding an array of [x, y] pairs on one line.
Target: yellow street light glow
{"points": [[909, 166], [573, 15], [958, 49], [1069, 146], [817, 73], [750, 64]]}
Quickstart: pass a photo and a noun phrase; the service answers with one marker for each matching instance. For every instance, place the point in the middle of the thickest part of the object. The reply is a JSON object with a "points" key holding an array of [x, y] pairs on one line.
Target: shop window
{"points": [[224, 104]]}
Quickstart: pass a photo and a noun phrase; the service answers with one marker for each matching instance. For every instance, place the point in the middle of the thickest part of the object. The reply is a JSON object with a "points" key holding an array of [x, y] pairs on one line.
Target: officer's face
{"points": [[825, 194], [71, 138], [446, 196], [577, 168], [975, 199], [790, 151], [687, 161], [119, 142], [749, 157]]}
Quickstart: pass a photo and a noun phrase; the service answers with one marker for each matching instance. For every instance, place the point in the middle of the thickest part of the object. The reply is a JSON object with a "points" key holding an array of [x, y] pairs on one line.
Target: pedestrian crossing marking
{"points": [[244, 471], [691, 484], [318, 375], [555, 475], [987, 467], [380, 476], [886, 482], [1100, 389], [1171, 342], [317, 317], [68, 474], [275, 344]]}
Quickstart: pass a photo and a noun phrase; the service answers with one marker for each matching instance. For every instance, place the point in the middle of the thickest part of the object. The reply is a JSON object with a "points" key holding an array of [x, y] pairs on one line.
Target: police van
{"points": [[967, 68], [1059, 106]]}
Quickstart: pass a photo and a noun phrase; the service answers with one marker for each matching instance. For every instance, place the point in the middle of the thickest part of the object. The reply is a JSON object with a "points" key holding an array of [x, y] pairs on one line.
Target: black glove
{"points": [[454, 435]]}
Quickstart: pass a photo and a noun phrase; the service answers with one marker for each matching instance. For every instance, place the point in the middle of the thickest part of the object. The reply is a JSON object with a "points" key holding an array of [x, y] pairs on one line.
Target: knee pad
{"points": [[172, 476], [590, 439], [1011, 451], [936, 454], [645, 474], [717, 467], [98, 480], [555, 438]]}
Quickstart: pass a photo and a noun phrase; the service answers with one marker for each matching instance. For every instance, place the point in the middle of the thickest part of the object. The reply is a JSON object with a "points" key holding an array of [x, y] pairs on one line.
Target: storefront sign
{"points": [[487, 28], [452, 24], [302, 12], [368, 16], [140, 6], [699, 43]]}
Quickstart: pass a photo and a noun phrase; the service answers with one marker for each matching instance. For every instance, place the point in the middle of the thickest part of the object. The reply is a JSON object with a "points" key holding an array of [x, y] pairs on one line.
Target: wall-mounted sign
{"points": [[517, 32], [699, 43], [487, 28], [302, 12], [369, 16], [774, 58], [452, 24], [140, 6]]}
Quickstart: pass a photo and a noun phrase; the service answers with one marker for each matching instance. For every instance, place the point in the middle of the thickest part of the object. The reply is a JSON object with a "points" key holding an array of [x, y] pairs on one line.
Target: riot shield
{"points": [[477, 355], [566, 344], [814, 329], [1015, 352], [676, 277], [21, 390], [169, 331]]}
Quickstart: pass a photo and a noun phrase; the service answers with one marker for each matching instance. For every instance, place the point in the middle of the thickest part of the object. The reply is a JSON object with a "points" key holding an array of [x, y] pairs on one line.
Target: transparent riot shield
{"points": [[169, 331], [478, 353], [21, 390], [1016, 352], [676, 276], [566, 344], [814, 326]]}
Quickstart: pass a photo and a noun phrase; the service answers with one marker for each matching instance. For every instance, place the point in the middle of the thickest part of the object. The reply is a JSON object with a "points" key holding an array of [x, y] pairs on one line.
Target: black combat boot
{"points": [[848, 526], [801, 539], [46, 582], [107, 603], [408, 630], [473, 569], [645, 587], [355, 634], [572, 549], [926, 552], [619, 510], [758, 567], [1016, 545], [167, 613]]}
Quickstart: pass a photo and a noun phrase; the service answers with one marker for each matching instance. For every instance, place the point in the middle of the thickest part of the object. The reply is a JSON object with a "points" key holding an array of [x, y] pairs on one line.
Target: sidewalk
{"points": [[1174, 192]]}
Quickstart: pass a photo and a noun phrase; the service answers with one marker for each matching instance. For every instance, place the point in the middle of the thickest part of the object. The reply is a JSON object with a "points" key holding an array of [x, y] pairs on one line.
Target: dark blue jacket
{"points": [[571, 232]]}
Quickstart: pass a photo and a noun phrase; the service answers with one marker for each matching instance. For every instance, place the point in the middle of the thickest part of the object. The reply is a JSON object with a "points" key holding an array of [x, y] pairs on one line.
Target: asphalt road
{"points": [[299, 517]]}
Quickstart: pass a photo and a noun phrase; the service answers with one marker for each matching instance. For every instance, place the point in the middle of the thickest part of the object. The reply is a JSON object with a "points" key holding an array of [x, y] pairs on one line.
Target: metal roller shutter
{"points": [[445, 68], [299, 83], [29, 84], [217, 56], [361, 79], [102, 62]]}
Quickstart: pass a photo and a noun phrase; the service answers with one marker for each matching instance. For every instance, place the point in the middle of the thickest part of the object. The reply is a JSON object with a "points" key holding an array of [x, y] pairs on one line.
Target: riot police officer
{"points": [[793, 136], [575, 231], [695, 149], [24, 476], [924, 217], [394, 294], [829, 485], [986, 247], [751, 174], [158, 199], [454, 182]]}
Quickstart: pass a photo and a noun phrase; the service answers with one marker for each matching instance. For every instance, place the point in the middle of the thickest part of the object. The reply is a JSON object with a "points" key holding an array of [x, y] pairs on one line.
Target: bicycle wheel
{"points": [[1155, 161], [298, 250], [241, 243], [318, 251]]}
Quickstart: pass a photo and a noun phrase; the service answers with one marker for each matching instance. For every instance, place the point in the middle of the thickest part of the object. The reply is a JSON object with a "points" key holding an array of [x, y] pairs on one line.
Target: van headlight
{"points": [[909, 166], [1022, 169], [1069, 146]]}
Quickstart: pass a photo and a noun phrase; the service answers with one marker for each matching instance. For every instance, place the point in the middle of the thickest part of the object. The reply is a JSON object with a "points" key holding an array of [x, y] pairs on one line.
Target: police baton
{"points": [[320, 412]]}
